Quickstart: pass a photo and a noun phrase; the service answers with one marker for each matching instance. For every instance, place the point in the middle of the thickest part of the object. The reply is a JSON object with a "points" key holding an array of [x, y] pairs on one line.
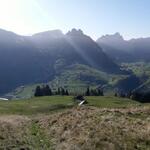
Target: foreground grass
{"points": [[81, 128], [105, 123], [91, 128]]}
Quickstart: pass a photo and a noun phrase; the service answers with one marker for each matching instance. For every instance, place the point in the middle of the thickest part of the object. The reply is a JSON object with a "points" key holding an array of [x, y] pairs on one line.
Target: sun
{"points": [[8, 8], [23, 16], [15, 15], [9, 13]]}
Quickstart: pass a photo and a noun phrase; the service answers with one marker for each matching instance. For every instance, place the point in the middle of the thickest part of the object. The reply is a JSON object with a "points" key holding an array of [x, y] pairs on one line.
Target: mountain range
{"points": [[51, 56]]}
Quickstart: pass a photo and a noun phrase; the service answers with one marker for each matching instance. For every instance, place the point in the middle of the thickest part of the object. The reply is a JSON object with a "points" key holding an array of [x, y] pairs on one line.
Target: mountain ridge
{"points": [[38, 58], [125, 50]]}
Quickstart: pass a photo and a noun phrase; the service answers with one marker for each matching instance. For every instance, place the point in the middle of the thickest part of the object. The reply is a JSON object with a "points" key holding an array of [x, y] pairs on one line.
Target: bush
{"points": [[79, 98]]}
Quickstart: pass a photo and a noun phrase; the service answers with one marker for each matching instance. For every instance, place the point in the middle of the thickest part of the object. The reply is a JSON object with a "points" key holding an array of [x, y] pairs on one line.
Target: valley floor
{"points": [[105, 123]]}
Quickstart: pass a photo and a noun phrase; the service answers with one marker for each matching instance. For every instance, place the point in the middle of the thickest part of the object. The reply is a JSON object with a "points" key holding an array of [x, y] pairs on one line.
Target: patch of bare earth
{"points": [[90, 128]]}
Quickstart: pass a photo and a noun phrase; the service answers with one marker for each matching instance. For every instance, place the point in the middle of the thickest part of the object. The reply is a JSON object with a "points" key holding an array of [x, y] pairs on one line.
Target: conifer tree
{"points": [[38, 91], [47, 91], [87, 93], [67, 93], [59, 91], [62, 91]]}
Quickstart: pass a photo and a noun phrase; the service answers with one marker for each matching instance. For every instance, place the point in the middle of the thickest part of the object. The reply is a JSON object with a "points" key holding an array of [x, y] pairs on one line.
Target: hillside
{"points": [[56, 123], [142, 71], [76, 78], [20, 62]]}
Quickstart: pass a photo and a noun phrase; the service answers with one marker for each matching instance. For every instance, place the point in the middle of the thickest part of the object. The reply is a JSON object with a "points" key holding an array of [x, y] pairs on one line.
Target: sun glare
{"points": [[10, 14], [8, 10], [18, 16]]}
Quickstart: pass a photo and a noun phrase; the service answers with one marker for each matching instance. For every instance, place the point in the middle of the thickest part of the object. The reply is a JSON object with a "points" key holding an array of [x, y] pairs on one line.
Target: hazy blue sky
{"points": [[95, 17]]}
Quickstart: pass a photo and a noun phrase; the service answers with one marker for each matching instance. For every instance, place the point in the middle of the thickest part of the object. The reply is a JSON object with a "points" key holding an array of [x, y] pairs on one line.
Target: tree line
{"points": [[45, 90], [94, 92], [143, 97]]}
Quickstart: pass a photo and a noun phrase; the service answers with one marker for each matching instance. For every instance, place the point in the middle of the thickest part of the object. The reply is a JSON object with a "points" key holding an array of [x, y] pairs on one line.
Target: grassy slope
{"points": [[38, 123], [77, 77], [138, 68]]}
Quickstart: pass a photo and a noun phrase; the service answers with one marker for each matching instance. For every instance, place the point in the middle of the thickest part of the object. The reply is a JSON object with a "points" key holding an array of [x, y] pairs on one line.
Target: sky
{"points": [[131, 18]]}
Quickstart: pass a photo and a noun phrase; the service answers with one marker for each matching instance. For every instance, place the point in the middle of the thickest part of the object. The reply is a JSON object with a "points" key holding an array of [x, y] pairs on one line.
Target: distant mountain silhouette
{"points": [[38, 58], [125, 51]]}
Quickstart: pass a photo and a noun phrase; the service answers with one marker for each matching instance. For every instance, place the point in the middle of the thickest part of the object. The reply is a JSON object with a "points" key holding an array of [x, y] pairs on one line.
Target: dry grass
{"points": [[92, 128], [13, 131], [79, 128], [14, 120]]}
